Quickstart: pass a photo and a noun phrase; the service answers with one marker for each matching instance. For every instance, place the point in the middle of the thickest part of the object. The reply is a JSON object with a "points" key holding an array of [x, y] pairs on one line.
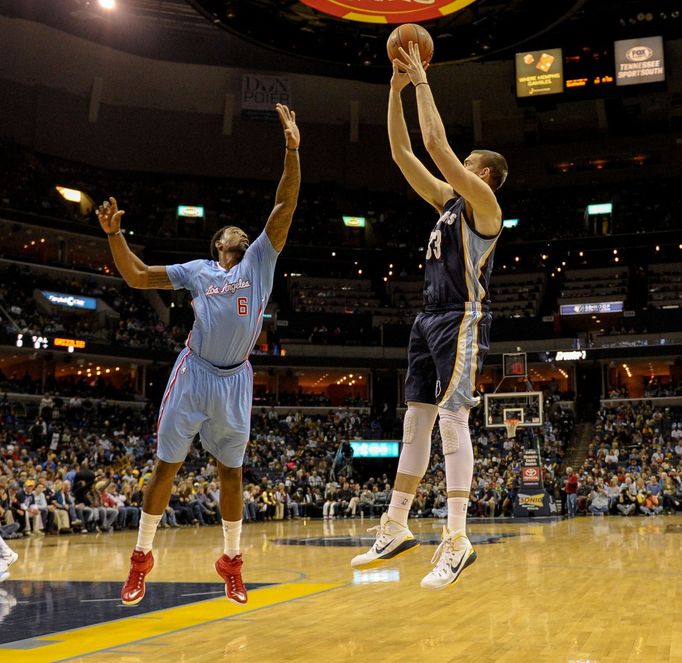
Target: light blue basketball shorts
{"points": [[214, 402]]}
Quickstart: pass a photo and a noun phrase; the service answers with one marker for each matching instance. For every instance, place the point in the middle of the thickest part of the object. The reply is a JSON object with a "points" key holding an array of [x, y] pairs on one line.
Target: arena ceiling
{"points": [[289, 35]]}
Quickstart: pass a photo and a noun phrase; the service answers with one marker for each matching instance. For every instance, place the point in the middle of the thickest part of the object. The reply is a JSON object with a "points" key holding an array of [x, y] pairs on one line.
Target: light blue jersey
{"points": [[210, 388], [228, 304]]}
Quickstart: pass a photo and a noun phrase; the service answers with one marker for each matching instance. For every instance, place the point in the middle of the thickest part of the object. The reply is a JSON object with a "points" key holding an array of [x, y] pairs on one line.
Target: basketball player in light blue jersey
{"points": [[210, 388]]}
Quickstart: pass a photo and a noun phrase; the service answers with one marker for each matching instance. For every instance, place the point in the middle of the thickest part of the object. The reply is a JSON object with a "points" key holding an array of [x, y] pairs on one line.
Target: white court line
{"points": [[218, 591]]}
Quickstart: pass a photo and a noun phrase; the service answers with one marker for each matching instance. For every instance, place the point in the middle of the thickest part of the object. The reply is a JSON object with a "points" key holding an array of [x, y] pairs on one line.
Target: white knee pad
{"points": [[417, 427], [457, 448], [450, 435], [453, 426]]}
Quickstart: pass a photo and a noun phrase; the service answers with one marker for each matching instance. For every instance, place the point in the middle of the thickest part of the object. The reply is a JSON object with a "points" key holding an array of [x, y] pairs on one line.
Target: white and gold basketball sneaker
{"points": [[452, 556], [393, 540]]}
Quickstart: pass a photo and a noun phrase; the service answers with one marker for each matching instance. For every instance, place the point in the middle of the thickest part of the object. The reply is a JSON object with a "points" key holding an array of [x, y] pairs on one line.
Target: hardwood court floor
{"points": [[592, 589]]}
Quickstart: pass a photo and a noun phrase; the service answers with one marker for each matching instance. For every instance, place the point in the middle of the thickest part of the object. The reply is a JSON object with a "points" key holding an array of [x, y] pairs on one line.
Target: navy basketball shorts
{"points": [[213, 402], [445, 356]]}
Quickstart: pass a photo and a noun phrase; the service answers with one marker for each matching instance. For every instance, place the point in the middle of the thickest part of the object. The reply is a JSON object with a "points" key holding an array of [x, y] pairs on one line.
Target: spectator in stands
{"points": [[487, 501], [651, 505], [670, 501], [280, 497], [292, 504], [627, 503], [250, 508], [106, 512], [420, 507], [598, 501], [571, 487], [331, 503], [128, 515], [366, 501], [612, 490], [183, 513], [60, 508], [510, 497]]}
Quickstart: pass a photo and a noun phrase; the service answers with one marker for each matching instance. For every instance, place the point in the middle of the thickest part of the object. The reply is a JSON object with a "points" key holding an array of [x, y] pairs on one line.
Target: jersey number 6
{"points": [[242, 306]]}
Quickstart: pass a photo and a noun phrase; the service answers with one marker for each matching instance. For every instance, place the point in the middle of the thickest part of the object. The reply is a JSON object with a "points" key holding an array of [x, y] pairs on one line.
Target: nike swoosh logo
{"points": [[461, 561], [380, 550]]}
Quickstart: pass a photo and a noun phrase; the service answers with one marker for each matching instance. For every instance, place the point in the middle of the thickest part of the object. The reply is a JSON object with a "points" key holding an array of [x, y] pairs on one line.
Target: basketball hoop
{"points": [[511, 425]]}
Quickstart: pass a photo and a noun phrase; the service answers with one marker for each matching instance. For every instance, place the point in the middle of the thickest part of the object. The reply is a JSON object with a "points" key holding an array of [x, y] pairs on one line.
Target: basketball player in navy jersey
{"points": [[210, 388], [450, 338]]}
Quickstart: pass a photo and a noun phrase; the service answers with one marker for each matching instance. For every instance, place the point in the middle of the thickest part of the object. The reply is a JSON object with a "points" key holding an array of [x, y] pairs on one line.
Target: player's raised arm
{"points": [[279, 222], [469, 183], [134, 272], [430, 188]]}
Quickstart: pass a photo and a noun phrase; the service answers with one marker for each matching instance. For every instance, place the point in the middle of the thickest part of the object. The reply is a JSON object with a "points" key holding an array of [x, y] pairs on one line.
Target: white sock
{"points": [[457, 513], [399, 508], [4, 548], [232, 531], [146, 531]]}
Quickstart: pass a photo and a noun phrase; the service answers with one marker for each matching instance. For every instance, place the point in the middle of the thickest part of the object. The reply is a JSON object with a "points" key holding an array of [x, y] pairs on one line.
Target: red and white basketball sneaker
{"points": [[230, 570], [140, 565]]}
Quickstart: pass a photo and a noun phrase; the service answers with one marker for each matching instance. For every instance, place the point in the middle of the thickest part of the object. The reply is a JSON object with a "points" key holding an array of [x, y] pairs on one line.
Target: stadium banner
{"points": [[587, 309], [639, 61], [388, 11], [532, 498], [260, 93], [528, 504], [531, 471], [69, 301]]}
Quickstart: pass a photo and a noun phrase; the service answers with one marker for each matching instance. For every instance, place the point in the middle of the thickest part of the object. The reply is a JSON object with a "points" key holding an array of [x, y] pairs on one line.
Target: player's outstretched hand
{"points": [[288, 119], [399, 80], [109, 216], [411, 64]]}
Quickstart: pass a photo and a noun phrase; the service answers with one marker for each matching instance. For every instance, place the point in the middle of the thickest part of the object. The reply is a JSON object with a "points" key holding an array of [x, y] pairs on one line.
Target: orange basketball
{"points": [[403, 35]]}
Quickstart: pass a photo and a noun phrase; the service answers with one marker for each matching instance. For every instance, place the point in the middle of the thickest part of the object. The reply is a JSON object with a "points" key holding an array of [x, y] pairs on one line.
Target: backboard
{"points": [[523, 405]]}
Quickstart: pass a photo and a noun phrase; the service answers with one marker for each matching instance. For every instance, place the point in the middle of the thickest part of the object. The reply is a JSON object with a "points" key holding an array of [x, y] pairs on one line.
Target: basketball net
{"points": [[511, 425]]}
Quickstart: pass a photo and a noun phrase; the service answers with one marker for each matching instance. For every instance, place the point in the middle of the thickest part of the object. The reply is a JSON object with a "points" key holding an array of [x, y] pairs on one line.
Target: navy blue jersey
{"points": [[459, 261]]}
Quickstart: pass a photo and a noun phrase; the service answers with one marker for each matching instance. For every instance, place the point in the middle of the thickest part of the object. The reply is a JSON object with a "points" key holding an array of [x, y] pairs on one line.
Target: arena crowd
{"points": [[633, 466], [81, 464]]}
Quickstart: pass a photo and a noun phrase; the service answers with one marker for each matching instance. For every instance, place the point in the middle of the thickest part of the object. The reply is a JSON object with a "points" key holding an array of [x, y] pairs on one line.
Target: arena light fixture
{"points": [[107, 4], [191, 211], [72, 195], [354, 221], [600, 208]]}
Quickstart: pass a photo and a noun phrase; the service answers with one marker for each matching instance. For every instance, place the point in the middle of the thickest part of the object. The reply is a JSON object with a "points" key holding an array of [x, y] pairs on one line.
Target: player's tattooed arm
{"points": [[157, 277], [134, 272], [279, 221]]}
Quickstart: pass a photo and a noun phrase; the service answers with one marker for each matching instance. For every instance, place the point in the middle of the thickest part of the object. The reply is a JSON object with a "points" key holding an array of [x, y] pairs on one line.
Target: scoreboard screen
{"points": [[589, 69]]}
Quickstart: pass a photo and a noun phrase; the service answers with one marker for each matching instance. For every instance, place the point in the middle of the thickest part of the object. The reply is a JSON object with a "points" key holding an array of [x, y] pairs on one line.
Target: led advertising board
{"points": [[639, 61], [539, 73], [375, 448], [70, 301]]}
